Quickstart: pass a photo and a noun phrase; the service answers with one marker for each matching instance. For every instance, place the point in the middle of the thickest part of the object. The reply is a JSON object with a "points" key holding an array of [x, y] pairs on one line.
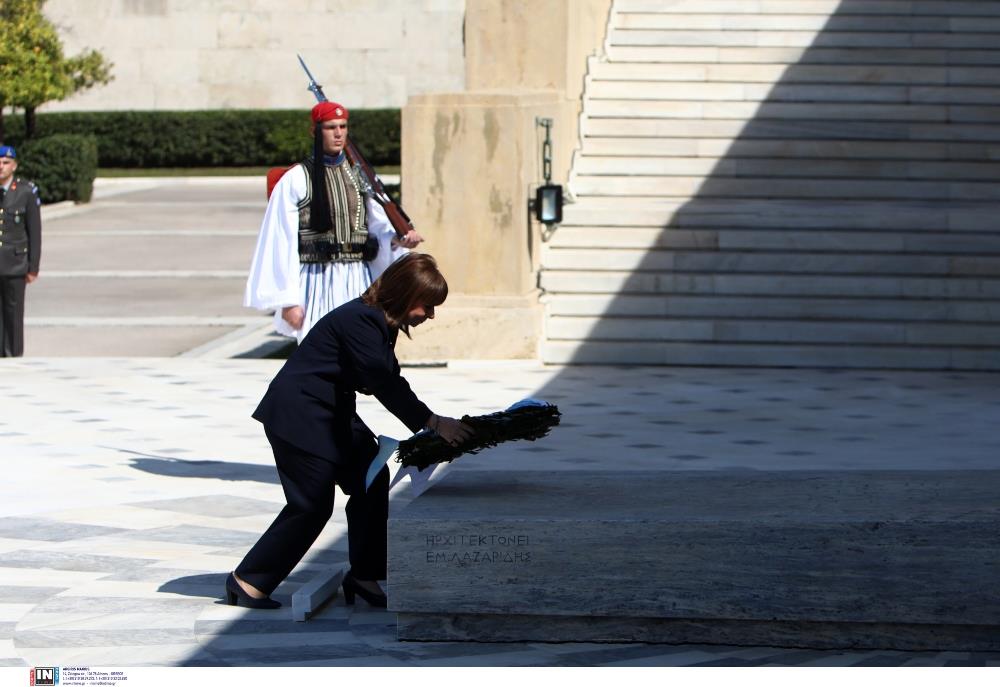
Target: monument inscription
{"points": [[478, 549]]}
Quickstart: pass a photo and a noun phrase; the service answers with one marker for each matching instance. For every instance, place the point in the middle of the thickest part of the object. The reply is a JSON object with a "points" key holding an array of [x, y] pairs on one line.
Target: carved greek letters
{"points": [[471, 549]]}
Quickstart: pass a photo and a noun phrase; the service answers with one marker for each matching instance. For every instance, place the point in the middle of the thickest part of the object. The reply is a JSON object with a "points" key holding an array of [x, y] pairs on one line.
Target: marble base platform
{"points": [[887, 559]]}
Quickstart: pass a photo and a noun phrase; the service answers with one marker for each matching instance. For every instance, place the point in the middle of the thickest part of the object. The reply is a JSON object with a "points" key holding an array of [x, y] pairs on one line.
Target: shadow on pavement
{"points": [[206, 585], [215, 469], [270, 350]]}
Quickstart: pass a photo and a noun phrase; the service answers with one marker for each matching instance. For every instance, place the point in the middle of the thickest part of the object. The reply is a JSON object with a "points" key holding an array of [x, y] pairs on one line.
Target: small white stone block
{"points": [[316, 592]]}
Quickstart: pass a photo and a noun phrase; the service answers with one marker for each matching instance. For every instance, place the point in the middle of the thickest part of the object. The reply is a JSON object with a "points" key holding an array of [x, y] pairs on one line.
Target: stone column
{"points": [[471, 160]]}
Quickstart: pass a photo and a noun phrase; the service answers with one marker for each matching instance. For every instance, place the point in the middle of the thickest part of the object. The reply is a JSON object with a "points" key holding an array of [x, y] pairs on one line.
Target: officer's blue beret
{"points": [[8, 151]]}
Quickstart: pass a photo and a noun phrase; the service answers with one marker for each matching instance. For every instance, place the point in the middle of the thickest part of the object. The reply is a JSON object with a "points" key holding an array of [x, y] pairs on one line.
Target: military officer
{"points": [[20, 249]]}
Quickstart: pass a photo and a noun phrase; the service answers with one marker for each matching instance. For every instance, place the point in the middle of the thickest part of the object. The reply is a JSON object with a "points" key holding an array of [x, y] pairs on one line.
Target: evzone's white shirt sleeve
{"points": [[381, 228], [274, 272]]}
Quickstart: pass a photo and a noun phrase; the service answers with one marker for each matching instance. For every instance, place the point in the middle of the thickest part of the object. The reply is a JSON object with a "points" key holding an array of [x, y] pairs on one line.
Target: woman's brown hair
{"points": [[412, 280]]}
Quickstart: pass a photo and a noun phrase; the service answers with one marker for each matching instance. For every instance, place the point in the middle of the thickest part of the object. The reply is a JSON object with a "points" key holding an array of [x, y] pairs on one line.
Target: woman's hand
{"points": [[450, 429]]}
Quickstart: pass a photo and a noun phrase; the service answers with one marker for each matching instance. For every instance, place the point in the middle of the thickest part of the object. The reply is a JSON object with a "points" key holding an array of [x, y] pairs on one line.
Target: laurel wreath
{"points": [[528, 423]]}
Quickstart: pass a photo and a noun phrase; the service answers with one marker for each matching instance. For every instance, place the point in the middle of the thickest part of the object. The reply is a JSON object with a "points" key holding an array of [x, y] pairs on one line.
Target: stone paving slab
{"points": [[157, 465], [116, 218], [139, 296], [130, 339], [229, 191], [159, 251]]}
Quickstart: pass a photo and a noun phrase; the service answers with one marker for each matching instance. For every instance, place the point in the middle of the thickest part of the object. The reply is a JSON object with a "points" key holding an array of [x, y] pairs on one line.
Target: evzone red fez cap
{"points": [[325, 111]]}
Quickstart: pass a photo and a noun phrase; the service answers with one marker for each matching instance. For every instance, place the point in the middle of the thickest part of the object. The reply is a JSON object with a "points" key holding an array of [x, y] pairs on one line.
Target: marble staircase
{"points": [[784, 182]]}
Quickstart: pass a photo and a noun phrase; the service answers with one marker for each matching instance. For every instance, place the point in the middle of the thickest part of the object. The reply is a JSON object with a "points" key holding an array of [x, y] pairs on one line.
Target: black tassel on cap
{"points": [[319, 206]]}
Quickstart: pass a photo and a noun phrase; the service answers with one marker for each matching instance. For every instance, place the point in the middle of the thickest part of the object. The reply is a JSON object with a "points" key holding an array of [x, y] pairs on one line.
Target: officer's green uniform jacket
{"points": [[20, 229]]}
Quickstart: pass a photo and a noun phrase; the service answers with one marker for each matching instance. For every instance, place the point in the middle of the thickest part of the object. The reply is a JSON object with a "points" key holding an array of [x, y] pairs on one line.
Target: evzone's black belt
{"points": [[326, 250]]}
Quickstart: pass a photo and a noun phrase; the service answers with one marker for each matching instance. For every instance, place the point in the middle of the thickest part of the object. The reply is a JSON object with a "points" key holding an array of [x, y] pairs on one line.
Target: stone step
{"points": [[735, 92], [708, 72], [750, 330], [947, 8], [859, 116], [751, 355], [836, 21], [764, 307], [776, 264], [689, 186], [794, 128], [712, 213], [621, 146], [788, 240], [803, 39], [614, 211], [733, 166], [788, 285], [798, 56], [784, 183]]}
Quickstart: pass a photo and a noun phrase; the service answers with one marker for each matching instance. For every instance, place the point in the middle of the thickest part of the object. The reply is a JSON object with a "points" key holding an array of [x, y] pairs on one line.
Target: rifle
{"points": [[369, 180]]}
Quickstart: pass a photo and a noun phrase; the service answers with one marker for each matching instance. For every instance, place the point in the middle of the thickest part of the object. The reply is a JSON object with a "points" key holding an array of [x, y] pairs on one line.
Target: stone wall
{"points": [[194, 54], [472, 159]]}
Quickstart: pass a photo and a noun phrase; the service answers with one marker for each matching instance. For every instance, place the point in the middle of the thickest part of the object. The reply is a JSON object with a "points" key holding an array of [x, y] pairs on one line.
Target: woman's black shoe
{"points": [[236, 596], [351, 587]]}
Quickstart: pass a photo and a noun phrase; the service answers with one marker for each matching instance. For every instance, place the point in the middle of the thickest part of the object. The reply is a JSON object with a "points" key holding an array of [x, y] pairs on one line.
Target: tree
{"points": [[33, 68]]}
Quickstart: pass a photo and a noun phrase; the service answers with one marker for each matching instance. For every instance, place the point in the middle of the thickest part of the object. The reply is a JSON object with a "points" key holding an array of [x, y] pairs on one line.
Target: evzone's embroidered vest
{"points": [[346, 240]]}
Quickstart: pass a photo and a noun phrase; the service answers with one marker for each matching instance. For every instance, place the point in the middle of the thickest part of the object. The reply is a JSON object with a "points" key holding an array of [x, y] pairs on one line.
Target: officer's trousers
{"points": [[12, 316]]}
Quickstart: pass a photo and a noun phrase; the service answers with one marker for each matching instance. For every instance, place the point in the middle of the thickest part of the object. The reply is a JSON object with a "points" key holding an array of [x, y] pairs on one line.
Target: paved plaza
{"points": [[137, 484], [151, 267], [136, 478]]}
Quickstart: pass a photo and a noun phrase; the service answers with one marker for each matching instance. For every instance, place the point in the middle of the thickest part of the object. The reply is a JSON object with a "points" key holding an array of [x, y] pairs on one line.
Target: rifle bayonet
{"points": [[314, 87]]}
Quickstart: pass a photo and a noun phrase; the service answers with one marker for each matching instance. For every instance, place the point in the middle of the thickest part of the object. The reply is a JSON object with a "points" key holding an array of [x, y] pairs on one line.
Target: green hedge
{"points": [[63, 166], [211, 138]]}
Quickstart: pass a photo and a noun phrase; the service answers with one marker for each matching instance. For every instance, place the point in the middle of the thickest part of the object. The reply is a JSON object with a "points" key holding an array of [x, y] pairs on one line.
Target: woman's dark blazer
{"points": [[311, 402]]}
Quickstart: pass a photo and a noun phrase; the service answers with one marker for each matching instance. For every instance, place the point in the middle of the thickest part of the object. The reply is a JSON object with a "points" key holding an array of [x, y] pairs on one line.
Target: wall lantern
{"points": [[548, 204], [548, 201]]}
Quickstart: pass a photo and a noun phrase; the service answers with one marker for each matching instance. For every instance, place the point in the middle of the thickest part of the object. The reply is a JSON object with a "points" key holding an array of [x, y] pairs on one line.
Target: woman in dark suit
{"points": [[318, 439]]}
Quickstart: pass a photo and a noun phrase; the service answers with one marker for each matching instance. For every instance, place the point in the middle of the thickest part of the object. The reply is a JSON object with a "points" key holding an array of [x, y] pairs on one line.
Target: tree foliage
{"points": [[33, 68]]}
